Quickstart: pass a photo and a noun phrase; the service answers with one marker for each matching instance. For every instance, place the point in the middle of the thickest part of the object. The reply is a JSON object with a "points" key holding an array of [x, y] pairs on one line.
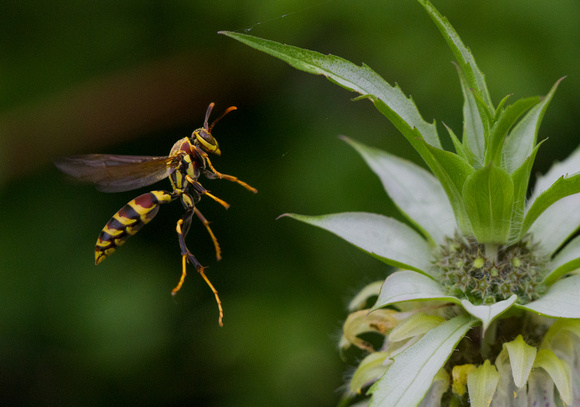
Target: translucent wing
{"points": [[117, 173]]}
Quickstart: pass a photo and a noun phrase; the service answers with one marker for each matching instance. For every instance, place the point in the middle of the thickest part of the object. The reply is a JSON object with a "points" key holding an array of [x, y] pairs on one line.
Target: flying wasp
{"points": [[187, 160]]}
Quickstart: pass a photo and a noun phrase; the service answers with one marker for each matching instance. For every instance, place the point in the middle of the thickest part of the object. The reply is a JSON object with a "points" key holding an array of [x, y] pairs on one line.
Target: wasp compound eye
{"points": [[207, 141]]}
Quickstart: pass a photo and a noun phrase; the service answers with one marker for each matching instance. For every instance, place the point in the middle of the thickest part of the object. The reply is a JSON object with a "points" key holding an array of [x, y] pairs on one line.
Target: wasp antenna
{"points": [[229, 109], [207, 113]]}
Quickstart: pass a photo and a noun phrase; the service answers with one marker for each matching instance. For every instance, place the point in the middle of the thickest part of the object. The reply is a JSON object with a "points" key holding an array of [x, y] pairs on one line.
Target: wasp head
{"points": [[203, 138]]}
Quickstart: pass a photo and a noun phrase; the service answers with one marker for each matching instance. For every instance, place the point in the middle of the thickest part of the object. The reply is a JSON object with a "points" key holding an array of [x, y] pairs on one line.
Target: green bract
{"points": [[480, 259]]}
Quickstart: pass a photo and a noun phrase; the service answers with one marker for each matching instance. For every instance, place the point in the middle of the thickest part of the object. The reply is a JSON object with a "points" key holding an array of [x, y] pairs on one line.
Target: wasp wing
{"points": [[117, 173]]}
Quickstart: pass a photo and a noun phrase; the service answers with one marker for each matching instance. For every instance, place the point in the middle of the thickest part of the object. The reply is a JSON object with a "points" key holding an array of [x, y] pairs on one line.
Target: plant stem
{"points": [[491, 251]]}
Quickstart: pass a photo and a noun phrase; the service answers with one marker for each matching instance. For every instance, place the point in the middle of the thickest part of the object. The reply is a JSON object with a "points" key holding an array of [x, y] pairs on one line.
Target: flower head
{"points": [[485, 305]]}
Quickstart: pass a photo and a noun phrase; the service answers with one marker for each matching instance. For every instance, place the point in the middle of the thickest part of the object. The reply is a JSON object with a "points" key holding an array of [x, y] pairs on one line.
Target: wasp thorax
{"points": [[182, 145], [206, 141]]}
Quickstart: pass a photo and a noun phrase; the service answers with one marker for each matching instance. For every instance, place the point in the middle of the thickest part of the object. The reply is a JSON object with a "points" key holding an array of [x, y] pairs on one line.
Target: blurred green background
{"points": [[131, 77]]}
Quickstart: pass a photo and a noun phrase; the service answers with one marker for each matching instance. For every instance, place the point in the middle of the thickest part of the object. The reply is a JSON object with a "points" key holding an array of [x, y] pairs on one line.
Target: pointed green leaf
{"points": [[562, 188], [459, 149], [385, 238], [522, 139], [399, 109], [473, 128], [488, 194], [500, 129], [408, 285], [566, 260], [482, 383], [487, 313], [499, 109], [522, 358], [415, 191], [561, 300], [455, 167], [408, 379], [558, 370], [521, 179], [462, 54], [452, 172]]}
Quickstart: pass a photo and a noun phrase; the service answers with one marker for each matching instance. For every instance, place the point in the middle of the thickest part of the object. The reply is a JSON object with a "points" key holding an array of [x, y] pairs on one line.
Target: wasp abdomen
{"points": [[128, 221]]}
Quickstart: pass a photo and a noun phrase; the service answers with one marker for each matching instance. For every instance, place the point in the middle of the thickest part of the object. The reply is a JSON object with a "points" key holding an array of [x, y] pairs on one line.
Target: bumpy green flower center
{"points": [[466, 271]]}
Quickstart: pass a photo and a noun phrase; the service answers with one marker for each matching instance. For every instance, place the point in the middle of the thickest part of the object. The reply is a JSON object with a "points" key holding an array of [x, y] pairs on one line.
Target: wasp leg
{"points": [[225, 176], [213, 238], [202, 191], [182, 229], [128, 221]]}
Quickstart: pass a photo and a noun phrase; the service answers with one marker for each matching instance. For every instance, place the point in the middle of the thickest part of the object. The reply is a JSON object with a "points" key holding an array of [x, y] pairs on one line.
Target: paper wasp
{"points": [[187, 160]]}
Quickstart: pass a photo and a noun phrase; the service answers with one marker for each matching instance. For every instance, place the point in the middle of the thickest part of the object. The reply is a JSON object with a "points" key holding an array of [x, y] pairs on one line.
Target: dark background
{"points": [[131, 77]]}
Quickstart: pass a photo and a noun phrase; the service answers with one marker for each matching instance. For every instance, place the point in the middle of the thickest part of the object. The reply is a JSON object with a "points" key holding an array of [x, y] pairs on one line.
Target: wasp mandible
{"points": [[187, 160]]}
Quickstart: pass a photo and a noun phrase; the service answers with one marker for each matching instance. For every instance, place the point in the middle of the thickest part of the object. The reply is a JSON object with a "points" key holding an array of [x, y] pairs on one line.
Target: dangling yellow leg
{"points": [[182, 228], [200, 271]]}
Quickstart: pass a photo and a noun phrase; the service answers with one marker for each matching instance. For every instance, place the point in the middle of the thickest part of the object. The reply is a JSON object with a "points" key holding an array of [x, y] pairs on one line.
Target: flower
{"points": [[484, 307]]}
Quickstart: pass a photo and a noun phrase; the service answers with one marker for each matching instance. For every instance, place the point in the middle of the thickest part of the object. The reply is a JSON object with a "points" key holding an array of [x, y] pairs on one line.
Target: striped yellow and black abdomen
{"points": [[128, 221]]}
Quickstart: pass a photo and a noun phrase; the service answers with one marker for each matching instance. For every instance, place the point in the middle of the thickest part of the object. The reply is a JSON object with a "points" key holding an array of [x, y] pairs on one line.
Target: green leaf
{"points": [[521, 179], [408, 285], [452, 171], [387, 239], [408, 379], [473, 128], [487, 313], [506, 120], [399, 109], [475, 78], [558, 370], [488, 194], [563, 187], [561, 300], [482, 383], [566, 260], [415, 191], [499, 109], [522, 358], [459, 149], [522, 139]]}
